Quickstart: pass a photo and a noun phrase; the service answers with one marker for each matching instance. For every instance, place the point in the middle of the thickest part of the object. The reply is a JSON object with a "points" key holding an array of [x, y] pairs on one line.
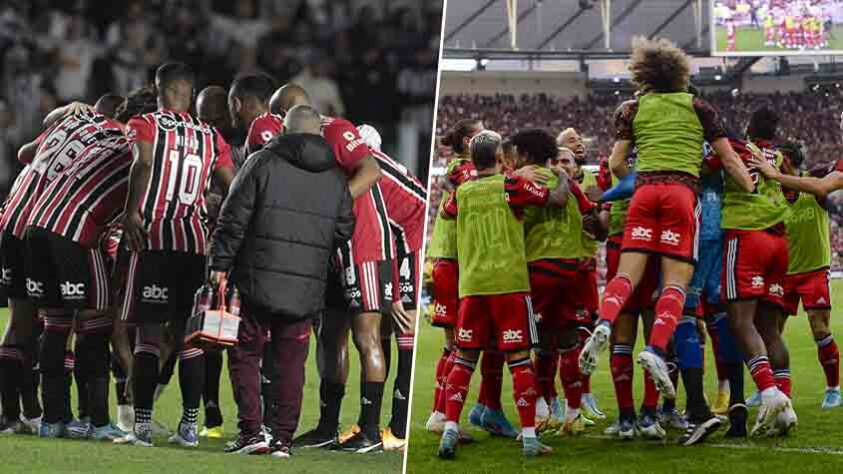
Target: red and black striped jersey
{"points": [[262, 130], [372, 239], [57, 149], [406, 199], [85, 199], [186, 152]]}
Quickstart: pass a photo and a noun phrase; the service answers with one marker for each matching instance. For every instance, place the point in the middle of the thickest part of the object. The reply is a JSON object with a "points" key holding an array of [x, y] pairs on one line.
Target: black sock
{"points": [[191, 375], [334, 393], [370, 407], [66, 397], [168, 369], [736, 390], [211, 391], [627, 414], [98, 401], [401, 393], [144, 381], [95, 369], [698, 409], [29, 390], [11, 375], [81, 371]]}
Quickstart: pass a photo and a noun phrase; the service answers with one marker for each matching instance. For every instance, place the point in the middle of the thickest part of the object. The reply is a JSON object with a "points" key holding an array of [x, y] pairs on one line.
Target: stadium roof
{"points": [[564, 25]]}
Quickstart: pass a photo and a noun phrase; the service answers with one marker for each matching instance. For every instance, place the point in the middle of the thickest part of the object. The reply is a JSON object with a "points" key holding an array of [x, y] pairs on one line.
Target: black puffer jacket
{"points": [[287, 211]]}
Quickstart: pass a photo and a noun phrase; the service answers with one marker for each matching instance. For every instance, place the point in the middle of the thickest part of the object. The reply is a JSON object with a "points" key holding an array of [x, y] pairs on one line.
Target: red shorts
{"points": [[591, 295], [663, 219], [504, 322], [647, 292], [754, 266], [812, 288], [556, 287], [446, 300]]}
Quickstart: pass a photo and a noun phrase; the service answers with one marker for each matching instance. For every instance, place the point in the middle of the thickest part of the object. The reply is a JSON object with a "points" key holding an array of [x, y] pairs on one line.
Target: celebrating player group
{"points": [[706, 231], [104, 241]]}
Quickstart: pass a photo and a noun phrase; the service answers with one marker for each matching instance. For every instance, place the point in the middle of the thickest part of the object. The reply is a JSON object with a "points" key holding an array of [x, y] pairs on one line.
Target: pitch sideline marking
{"points": [[783, 449]]}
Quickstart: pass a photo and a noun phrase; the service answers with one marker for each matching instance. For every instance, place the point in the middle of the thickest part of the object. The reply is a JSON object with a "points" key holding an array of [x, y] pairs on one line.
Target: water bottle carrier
{"points": [[213, 329]]}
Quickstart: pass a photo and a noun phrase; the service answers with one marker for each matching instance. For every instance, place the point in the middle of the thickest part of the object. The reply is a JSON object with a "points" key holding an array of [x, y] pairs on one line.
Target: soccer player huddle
{"points": [[706, 231], [106, 236]]}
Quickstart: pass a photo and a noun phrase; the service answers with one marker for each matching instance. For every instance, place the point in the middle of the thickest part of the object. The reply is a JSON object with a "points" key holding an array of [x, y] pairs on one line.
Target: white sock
{"points": [[542, 409], [723, 385], [528, 432], [769, 393], [452, 426], [836, 389], [438, 414]]}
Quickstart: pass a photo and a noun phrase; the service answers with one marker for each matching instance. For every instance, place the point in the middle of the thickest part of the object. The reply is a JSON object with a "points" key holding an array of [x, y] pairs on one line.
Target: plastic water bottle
{"points": [[234, 302], [204, 298]]}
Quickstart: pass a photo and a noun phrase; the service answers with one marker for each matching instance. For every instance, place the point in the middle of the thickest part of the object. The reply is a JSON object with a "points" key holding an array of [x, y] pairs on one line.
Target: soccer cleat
{"points": [[673, 419], [721, 405], [126, 417], [52, 430], [786, 421], [754, 400], [572, 426], [532, 447], [392, 442], [360, 444], [627, 430], [649, 428], [831, 399], [613, 429], [496, 424], [28, 425], [267, 434], [435, 423], [281, 451], [349, 433], [768, 414], [316, 438], [79, 429], [590, 409], [475, 416], [143, 440], [185, 436], [7, 427], [656, 367], [698, 432], [247, 445], [448, 444], [109, 432], [212, 433], [464, 437], [594, 345], [738, 415]]}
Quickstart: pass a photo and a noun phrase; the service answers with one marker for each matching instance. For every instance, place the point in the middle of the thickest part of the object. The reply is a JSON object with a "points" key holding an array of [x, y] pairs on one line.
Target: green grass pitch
{"points": [[29, 454], [814, 446], [750, 39]]}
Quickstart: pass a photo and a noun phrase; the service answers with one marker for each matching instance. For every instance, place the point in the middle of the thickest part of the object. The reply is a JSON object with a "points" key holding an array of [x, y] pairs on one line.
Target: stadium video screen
{"points": [[776, 27]]}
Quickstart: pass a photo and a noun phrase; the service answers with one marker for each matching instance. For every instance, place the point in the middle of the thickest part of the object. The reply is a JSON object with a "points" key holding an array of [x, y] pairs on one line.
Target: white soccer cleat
{"points": [[768, 415], [656, 367], [132, 439], [594, 345], [436, 423], [786, 421]]}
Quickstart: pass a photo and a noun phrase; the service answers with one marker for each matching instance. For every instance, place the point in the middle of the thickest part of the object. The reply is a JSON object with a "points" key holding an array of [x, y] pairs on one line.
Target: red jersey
{"points": [[372, 239], [57, 148], [87, 197], [186, 151], [262, 130], [406, 199]]}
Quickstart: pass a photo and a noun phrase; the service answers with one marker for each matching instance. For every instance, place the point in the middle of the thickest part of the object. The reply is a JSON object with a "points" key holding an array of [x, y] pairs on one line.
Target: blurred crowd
{"points": [[373, 61], [812, 117]]}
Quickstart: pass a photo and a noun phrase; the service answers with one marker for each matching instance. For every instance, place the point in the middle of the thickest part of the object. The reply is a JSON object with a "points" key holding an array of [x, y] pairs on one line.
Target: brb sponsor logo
{"points": [[513, 335], [155, 294], [465, 334], [642, 233], [34, 288], [671, 238], [72, 291], [353, 142], [758, 281]]}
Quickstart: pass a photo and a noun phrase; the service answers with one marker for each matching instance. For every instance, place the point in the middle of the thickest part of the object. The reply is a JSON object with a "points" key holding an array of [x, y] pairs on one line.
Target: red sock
{"points": [[782, 378], [614, 298], [441, 377], [456, 389], [586, 382], [830, 360], [546, 374], [714, 335], [446, 371], [762, 374], [491, 368], [622, 375], [668, 310], [651, 393], [569, 373], [524, 391]]}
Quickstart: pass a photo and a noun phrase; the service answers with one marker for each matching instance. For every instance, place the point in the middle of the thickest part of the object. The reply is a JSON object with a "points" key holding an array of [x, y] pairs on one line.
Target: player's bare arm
{"points": [[530, 174], [26, 153], [364, 176], [72, 108], [733, 164], [819, 187], [617, 162], [558, 197], [134, 230]]}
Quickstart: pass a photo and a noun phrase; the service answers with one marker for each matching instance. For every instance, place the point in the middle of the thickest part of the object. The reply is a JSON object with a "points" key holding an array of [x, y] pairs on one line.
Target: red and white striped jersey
{"points": [[406, 200], [372, 239], [88, 196], [58, 148], [262, 130], [186, 152]]}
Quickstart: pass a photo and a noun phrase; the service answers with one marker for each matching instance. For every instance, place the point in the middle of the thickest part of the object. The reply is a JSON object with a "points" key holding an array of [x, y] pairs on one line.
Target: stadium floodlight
{"points": [[616, 80], [717, 77]]}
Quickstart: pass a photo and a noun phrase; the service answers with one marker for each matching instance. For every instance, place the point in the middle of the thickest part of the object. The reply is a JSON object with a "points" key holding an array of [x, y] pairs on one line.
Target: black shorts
{"points": [[13, 265], [406, 273], [161, 284], [62, 274], [360, 288]]}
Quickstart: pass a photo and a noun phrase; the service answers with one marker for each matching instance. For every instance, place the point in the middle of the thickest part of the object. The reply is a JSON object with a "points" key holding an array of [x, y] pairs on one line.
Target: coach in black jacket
{"points": [[288, 209]]}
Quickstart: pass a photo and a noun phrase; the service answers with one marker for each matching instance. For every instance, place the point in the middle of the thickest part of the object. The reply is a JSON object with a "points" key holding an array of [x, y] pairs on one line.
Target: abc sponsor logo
{"points": [[513, 335], [440, 309], [671, 238], [6, 277], [465, 334], [72, 291], [34, 288], [642, 233], [155, 294], [776, 290]]}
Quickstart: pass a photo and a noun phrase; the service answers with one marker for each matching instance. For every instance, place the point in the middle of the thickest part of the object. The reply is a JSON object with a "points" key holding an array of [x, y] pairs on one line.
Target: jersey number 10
{"points": [[188, 177]]}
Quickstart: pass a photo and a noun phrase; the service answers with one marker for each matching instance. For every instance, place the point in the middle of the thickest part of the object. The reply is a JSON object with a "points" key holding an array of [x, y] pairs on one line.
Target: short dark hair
{"points": [[539, 145], [459, 131], [258, 86], [108, 103], [794, 152], [171, 72], [483, 148], [138, 102], [763, 121]]}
